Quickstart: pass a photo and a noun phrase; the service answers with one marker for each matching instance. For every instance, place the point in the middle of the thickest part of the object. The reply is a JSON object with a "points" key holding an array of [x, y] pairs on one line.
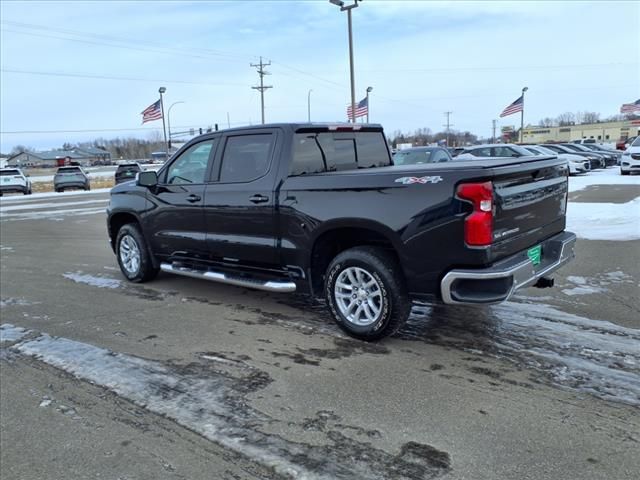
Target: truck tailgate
{"points": [[530, 202]]}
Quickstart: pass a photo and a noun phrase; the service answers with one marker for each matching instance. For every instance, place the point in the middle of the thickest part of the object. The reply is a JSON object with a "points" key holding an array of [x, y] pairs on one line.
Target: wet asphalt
{"points": [[241, 384]]}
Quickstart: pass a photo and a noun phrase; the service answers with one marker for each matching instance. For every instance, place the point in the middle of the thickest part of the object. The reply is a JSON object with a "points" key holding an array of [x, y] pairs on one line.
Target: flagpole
{"points": [[161, 90], [522, 116]]}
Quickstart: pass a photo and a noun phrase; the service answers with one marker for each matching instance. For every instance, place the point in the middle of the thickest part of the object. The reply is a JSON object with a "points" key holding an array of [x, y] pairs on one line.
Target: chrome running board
{"points": [[269, 285]]}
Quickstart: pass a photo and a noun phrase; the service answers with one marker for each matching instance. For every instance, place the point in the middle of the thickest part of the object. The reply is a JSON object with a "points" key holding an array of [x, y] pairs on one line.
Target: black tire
{"points": [[384, 268], [146, 270], [87, 188]]}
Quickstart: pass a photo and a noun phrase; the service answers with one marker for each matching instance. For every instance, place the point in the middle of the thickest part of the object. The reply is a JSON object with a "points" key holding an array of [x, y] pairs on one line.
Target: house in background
{"points": [[58, 158]]}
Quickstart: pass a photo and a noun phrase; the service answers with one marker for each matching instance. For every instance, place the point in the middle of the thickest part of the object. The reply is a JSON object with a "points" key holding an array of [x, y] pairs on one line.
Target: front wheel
{"points": [[366, 293], [134, 258]]}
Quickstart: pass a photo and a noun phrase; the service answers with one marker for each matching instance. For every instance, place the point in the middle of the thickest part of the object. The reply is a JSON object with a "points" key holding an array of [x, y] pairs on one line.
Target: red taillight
{"points": [[478, 227]]}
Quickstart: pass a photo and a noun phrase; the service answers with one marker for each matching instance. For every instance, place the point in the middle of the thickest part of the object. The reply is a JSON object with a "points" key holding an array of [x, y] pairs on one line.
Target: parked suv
{"points": [[127, 171], [321, 209], [13, 180], [70, 177], [630, 161]]}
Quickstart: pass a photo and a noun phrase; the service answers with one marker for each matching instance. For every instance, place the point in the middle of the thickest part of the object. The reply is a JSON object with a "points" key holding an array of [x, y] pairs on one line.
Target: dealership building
{"points": [[605, 132]]}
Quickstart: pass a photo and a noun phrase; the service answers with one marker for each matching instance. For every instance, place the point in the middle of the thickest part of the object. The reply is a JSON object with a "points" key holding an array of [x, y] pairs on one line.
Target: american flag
{"points": [[630, 107], [362, 108], [152, 112], [514, 107]]}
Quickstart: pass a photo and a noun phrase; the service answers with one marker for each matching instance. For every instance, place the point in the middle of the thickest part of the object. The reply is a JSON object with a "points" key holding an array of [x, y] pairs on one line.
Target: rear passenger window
{"points": [[372, 150], [320, 152], [246, 158]]}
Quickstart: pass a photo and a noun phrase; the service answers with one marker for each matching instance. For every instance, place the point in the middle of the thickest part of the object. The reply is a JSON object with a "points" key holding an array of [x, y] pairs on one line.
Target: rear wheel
{"points": [[133, 255], [366, 294]]}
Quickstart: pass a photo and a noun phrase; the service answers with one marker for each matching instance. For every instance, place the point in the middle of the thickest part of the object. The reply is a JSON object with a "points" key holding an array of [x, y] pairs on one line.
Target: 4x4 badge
{"points": [[423, 180]]}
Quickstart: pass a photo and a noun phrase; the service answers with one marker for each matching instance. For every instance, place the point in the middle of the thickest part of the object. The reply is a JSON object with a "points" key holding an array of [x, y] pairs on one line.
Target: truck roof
{"points": [[309, 127]]}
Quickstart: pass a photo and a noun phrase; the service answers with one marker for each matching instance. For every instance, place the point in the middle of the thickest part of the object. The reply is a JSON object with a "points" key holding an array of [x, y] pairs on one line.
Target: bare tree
{"points": [[565, 119], [547, 122], [19, 149], [590, 117]]}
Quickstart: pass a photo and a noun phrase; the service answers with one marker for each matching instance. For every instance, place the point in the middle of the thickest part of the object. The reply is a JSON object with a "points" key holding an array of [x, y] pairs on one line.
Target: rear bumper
{"points": [[498, 282], [13, 188], [70, 185]]}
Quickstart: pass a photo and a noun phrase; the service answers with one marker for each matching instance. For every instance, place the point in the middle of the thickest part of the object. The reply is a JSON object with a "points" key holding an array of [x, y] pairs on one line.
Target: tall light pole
{"points": [[169, 118], [348, 9], [522, 115], [161, 90], [369, 90], [309, 106]]}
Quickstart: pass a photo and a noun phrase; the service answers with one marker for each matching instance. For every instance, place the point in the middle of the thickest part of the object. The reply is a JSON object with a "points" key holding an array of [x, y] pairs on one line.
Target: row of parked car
{"points": [[580, 157], [14, 180]]}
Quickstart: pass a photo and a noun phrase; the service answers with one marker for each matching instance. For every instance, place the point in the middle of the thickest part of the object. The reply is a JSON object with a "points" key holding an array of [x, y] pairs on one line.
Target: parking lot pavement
{"points": [[181, 378]]}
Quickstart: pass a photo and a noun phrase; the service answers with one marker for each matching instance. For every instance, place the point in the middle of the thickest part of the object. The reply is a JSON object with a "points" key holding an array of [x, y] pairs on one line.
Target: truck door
{"points": [[239, 203], [176, 221]]}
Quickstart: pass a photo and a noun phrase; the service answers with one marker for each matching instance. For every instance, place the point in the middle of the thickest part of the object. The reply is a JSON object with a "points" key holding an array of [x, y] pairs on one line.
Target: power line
{"points": [[113, 77], [262, 87]]}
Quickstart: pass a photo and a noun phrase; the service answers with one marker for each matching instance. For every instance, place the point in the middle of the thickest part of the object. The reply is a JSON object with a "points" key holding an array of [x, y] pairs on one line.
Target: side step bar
{"points": [[269, 285]]}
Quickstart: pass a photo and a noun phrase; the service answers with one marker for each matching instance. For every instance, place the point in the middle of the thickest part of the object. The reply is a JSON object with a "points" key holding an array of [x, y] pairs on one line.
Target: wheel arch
{"points": [[336, 237]]}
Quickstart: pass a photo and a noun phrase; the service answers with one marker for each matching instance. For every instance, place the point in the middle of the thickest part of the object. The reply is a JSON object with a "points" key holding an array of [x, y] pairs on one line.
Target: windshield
{"points": [[546, 151], [411, 157], [636, 142], [579, 147], [521, 150]]}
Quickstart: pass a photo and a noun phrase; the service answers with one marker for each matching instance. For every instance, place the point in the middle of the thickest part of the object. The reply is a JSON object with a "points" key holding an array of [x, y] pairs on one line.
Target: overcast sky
{"points": [[421, 58]]}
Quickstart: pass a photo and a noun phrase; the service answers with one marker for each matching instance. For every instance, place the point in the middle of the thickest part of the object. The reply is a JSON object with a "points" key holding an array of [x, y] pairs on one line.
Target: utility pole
{"points": [[493, 137], [448, 125], [261, 71], [228, 121]]}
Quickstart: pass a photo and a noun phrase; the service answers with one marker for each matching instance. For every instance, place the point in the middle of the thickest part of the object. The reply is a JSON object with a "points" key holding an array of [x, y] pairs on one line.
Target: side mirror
{"points": [[147, 179]]}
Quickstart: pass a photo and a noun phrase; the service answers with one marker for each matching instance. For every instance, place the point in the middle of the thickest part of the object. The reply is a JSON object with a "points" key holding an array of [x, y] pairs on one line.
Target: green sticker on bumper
{"points": [[535, 254]]}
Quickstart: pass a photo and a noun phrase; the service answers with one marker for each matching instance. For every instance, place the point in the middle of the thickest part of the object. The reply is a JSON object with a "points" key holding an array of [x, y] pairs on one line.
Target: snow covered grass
{"points": [[49, 205], [607, 176], [605, 221]]}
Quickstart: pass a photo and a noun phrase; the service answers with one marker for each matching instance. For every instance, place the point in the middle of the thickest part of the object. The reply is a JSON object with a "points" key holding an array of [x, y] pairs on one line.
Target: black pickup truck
{"points": [[321, 209]]}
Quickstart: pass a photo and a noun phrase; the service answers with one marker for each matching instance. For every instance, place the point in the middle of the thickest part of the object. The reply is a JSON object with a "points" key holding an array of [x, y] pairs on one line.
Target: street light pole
{"points": [[348, 8], [161, 90], [169, 118], [309, 106], [522, 116], [369, 89]]}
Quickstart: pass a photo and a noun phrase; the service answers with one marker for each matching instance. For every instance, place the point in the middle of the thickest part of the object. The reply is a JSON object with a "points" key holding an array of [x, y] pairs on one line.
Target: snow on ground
{"points": [[607, 176], [605, 221], [49, 205], [93, 280], [11, 333], [52, 215], [37, 196]]}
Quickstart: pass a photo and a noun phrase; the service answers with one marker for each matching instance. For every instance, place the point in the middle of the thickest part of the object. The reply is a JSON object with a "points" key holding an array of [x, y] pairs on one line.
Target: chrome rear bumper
{"points": [[498, 282]]}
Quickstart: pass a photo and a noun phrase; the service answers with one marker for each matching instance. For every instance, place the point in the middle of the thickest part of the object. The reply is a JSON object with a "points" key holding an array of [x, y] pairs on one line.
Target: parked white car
{"points": [[496, 150], [630, 160], [577, 164], [13, 180]]}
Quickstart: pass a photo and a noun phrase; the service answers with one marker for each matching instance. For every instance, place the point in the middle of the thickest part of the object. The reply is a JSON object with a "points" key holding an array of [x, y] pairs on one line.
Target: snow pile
{"points": [[609, 176], [605, 221]]}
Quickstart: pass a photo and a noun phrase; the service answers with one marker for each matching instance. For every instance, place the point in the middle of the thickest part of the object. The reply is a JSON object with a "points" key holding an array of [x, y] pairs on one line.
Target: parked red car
{"points": [[623, 143]]}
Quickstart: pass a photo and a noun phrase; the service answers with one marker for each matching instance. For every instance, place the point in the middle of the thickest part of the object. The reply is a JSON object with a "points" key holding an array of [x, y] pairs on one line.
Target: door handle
{"points": [[259, 199], [193, 198]]}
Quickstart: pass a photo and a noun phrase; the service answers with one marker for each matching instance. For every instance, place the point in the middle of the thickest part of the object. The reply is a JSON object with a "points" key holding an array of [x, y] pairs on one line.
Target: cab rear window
{"points": [[9, 172]]}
